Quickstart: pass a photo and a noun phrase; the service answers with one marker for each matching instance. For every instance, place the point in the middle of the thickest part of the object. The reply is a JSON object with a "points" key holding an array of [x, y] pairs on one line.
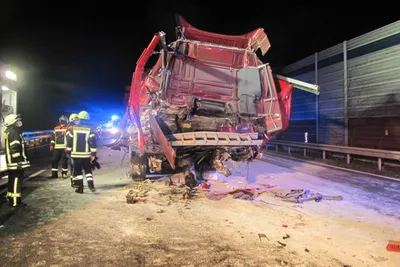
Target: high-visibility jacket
{"points": [[15, 149], [58, 140], [81, 141]]}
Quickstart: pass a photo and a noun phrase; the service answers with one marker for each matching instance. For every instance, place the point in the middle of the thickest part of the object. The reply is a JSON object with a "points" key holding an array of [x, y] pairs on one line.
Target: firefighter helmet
{"points": [[73, 117], [11, 119], [83, 115], [63, 120]]}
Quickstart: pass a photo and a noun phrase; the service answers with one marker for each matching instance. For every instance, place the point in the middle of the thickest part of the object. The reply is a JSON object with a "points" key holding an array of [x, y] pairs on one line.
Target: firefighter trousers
{"points": [[59, 154], [15, 179], [85, 165]]}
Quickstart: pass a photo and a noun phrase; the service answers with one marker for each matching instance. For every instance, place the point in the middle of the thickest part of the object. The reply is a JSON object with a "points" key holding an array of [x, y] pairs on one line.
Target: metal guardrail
{"points": [[37, 139], [374, 153]]}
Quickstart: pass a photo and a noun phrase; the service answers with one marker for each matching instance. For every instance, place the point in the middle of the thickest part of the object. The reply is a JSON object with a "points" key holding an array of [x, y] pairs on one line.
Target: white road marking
{"points": [[37, 173]]}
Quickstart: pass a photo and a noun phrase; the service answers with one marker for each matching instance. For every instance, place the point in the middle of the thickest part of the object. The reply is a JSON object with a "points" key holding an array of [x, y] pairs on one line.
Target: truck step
{"points": [[214, 139]]}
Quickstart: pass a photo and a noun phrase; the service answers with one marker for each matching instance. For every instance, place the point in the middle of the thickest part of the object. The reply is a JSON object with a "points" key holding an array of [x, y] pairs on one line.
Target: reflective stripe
{"points": [[92, 135], [93, 149], [64, 170], [64, 143], [8, 153], [89, 177], [79, 177], [16, 155], [9, 194], [52, 142], [15, 191], [24, 164], [81, 130], [70, 134], [54, 170], [23, 148], [81, 156], [15, 142], [69, 149], [60, 146]]}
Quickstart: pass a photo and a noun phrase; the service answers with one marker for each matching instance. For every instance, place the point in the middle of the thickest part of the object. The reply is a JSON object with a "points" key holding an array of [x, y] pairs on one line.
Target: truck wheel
{"points": [[138, 172], [138, 167]]}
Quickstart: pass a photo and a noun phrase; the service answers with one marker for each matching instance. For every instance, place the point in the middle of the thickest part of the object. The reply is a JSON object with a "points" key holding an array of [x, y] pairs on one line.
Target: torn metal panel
{"points": [[169, 152], [256, 39]]}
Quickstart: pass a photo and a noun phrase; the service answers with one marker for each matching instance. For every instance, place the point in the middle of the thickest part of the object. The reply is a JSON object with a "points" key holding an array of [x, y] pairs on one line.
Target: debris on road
{"points": [[240, 193], [301, 195], [282, 244], [393, 246], [263, 236]]}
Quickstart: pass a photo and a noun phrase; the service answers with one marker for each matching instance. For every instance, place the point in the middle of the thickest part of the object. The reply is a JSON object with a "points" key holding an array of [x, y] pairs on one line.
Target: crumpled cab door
{"points": [[258, 96]]}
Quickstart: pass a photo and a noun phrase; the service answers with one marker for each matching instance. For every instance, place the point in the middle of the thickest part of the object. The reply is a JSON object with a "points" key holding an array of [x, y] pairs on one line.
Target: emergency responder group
{"points": [[72, 139]]}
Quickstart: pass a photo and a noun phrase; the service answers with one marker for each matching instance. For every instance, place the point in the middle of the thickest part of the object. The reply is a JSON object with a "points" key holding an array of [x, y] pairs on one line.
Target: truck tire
{"points": [[139, 172], [139, 167]]}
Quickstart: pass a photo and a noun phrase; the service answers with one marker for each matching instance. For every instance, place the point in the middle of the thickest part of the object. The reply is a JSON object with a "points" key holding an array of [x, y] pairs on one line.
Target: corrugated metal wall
{"points": [[359, 78]]}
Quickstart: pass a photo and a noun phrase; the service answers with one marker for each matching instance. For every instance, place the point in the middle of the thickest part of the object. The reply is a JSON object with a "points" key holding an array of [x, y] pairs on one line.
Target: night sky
{"points": [[81, 56]]}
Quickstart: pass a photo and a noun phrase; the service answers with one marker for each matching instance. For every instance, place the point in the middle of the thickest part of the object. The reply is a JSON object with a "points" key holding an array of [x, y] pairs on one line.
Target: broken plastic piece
{"points": [[393, 246]]}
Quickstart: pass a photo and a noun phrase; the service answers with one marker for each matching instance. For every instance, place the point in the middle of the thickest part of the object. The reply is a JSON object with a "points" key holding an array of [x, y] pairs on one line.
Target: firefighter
{"points": [[81, 146], [16, 159], [73, 119], [58, 144]]}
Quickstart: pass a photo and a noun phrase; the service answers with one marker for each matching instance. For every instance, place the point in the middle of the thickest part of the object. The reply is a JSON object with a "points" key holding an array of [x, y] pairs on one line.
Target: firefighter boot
{"points": [[79, 186], [91, 185], [72, 181], [64, 174], [54, 174]]}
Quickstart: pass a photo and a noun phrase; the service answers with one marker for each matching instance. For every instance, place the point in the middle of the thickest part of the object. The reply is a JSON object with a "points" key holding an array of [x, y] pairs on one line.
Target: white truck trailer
{"points": [[8, 104]]}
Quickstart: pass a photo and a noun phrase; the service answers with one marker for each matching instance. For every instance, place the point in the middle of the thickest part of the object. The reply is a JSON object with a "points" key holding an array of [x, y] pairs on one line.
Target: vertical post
{"points": [[276, 147], [323, 155], [316, 100], [345, 88], [379, 164], [289, 150], [348, 159]]}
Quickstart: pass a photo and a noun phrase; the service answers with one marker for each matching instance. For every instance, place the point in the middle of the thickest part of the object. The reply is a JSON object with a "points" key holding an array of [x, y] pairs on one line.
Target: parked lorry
{"points": [[208, 100], [8, 104]]}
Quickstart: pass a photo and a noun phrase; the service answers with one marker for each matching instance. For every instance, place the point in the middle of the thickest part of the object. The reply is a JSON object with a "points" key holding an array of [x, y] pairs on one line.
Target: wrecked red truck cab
{"points": [[208, 99]]}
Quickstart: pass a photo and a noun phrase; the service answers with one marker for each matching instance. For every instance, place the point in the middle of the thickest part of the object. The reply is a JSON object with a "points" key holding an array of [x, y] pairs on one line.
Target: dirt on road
{"points": [[62, 228]]}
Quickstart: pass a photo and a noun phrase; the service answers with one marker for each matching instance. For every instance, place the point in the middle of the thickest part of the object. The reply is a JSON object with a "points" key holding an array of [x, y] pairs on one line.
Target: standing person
{"points": [[73, 120], [16, 159], [81, 146], [58, 144]]}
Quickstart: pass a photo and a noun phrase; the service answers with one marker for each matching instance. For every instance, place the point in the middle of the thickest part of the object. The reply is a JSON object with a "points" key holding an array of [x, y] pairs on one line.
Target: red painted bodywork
{"points": [[206, 68], [137, 97]]}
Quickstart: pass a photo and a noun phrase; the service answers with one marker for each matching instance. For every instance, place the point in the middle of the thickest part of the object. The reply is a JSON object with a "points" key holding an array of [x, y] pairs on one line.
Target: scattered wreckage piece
{"points": [[207, 100], [164, 195], [240, 193], [301, 195]]}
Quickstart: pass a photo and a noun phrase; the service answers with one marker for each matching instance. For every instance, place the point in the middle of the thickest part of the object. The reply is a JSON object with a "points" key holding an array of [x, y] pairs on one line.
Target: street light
{"points": [[114, 117], [11, 75]]}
